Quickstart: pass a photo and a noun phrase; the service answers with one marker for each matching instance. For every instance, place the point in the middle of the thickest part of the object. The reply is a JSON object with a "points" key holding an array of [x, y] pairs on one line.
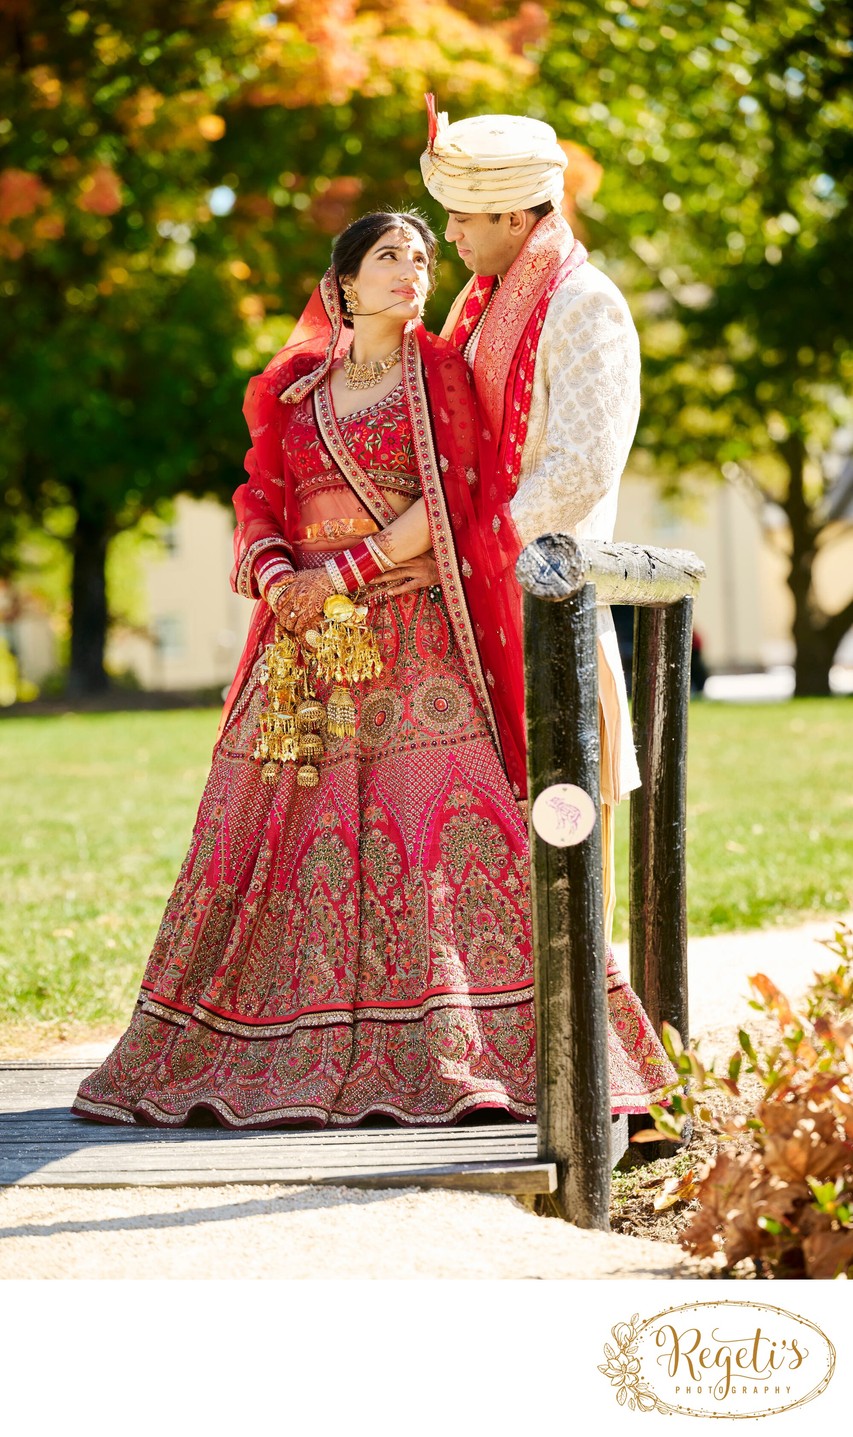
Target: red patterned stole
{"points": [[447, 447], [503, 378], [509, 339], [481, 291]]}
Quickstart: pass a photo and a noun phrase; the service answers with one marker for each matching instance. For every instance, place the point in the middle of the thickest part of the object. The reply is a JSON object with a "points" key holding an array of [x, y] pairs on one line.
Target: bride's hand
{"points": [[300, 606]]}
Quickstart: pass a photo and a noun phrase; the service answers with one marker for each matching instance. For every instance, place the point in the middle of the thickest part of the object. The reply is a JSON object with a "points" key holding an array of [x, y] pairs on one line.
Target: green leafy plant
{"points": [[780, 1190]]}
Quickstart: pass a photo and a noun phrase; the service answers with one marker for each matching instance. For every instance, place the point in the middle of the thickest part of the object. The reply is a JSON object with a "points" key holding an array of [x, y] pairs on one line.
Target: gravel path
{"points": [[277, 1231], [287, 1232]]}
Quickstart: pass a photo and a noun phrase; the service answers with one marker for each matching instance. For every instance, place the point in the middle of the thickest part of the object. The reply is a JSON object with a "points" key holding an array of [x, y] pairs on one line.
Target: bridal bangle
{"points": [[379, 554], [353, 569], [274, 567], [274, 593], [336, 577]]}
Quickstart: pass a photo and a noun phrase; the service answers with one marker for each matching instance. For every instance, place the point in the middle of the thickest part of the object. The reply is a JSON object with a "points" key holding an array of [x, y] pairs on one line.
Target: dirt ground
{"points": [[638, 1182], [273, 1231]]}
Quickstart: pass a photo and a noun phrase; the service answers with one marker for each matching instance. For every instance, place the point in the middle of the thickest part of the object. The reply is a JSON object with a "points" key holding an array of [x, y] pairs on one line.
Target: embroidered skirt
{"points": [[362, 947]]}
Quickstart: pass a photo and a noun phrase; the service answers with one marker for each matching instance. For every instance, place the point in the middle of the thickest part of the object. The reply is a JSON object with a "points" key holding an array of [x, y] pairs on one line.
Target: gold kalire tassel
{"points": [[345, 652], [310, 715], [341, 711], [277, 740]]}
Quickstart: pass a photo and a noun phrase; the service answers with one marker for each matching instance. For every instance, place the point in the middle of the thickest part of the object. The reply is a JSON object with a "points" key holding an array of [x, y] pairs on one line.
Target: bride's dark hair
{"points": [[350, 247]]}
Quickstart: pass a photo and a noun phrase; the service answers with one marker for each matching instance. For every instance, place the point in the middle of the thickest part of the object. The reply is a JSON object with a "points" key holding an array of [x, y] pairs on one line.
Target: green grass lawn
{"points": [[99, 813], [769, 815], [99, 808]]}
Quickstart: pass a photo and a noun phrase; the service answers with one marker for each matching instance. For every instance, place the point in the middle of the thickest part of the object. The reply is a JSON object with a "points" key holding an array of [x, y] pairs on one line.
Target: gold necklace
{"points": [[365, 376]]}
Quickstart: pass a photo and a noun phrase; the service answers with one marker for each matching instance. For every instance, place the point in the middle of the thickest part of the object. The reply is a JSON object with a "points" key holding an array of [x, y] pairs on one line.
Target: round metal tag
{"points": [[563, 815]]}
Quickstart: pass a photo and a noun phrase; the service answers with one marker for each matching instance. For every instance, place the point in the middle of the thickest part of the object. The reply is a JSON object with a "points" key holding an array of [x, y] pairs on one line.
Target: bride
{"points": [[349, 934]]}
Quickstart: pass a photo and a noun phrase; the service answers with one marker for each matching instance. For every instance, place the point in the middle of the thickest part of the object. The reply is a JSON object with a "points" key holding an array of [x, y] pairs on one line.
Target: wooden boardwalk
{"points": [[41, 1144]]}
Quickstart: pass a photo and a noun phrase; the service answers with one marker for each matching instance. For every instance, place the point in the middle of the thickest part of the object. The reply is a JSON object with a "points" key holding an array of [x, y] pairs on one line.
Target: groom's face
{"points": [[486, 244]]}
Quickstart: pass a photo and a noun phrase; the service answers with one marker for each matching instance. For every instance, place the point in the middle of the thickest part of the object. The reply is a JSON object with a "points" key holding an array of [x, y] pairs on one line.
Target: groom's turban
{"points": [[491, 164]]}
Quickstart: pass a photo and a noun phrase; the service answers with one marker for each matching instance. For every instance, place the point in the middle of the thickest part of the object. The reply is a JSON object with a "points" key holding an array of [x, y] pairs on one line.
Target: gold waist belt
{"points": [[336, 529]]}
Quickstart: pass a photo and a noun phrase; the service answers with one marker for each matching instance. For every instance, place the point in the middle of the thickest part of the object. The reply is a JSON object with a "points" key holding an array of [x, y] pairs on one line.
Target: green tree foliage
{"points": [[170, 177], [725, 131]]}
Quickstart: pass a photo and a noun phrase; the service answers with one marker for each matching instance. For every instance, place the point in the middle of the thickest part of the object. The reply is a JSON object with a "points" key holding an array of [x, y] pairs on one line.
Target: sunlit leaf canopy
{"points": [[171, 176], [725, 131]]}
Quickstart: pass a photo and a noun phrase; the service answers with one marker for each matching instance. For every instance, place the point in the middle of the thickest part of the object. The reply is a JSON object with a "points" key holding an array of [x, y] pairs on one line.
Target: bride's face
{"points": [[393, 277]]}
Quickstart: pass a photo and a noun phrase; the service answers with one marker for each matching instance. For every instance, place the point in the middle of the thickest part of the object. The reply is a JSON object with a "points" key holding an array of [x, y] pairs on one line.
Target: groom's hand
{"points": [[411, 575]]}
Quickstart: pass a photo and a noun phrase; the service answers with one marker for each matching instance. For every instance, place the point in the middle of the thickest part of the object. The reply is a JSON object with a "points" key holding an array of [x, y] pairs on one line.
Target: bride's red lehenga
{"points": [[362, 947]]}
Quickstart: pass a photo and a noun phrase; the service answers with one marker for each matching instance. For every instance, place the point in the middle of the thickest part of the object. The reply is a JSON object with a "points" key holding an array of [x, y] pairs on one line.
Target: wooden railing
{"points": [[562, 582]]}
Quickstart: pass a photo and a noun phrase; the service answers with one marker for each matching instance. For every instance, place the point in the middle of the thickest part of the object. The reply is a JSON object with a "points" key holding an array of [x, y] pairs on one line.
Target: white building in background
{"points": [[731, 613], [744, 611], [196, 623], [27, 635]]}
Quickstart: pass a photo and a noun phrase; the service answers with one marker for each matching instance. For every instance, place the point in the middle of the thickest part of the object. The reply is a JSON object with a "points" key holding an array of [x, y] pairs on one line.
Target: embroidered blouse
{"points": [[378, 435]]}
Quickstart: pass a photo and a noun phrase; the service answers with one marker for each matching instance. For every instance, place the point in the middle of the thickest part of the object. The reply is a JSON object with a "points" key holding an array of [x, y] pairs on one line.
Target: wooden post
{"points": [[561, 685], [658, 892], [573, 1090]]}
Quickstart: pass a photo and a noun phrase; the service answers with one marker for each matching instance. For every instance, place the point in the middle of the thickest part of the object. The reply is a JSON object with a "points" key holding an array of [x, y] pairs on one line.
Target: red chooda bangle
{"points": [[357, 567]]}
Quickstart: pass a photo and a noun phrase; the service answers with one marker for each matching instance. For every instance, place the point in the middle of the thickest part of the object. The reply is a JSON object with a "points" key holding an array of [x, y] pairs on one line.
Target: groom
{"points": [[555, 361]]}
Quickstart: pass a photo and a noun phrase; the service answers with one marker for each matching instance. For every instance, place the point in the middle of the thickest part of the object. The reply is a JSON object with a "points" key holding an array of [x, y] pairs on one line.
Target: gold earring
{"points": [[350, 297]]}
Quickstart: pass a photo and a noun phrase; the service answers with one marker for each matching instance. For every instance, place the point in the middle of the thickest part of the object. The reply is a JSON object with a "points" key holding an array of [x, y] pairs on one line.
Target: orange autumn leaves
{"points": [[151, 121], [320, 52], [30, 216], [100, 192], [21, 195]]}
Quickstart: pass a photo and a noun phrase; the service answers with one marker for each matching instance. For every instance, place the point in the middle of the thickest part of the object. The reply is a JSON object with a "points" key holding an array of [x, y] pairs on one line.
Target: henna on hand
{"points": [[302, 603]]}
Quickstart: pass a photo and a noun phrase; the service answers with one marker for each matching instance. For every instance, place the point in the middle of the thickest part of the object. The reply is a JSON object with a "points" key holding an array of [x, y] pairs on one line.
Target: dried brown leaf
{"points": [[833, 1032], [774, 998], [648, 1135], [828, 1254], [762, 1200], [675, 1190]]}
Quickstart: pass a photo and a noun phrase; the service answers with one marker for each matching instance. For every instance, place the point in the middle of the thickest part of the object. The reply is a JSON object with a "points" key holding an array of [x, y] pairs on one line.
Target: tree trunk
{"points": [[813, 653], [812, 663], [87, 674]]}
